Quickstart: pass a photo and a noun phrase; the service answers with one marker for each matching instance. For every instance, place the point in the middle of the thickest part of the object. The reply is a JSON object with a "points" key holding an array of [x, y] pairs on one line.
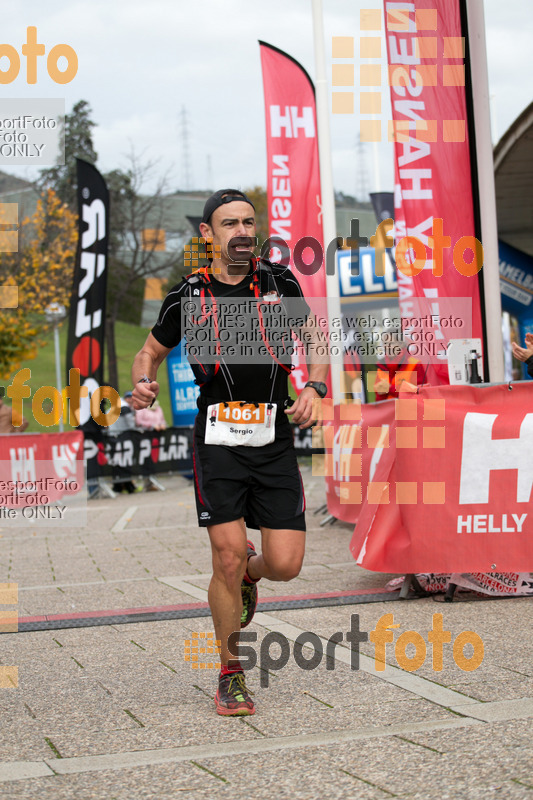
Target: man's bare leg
{"points": [[228, 546], [282, 555]]}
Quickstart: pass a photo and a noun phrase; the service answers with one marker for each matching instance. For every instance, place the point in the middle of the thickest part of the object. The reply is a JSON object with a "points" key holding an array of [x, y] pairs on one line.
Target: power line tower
{"points": [[361, 174], [185, 150]]}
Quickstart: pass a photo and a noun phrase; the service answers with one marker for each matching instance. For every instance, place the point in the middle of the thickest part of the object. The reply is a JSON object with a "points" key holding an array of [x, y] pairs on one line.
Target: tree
{"points": [[258, 196], [77, 132], [137, 244], [42, 269]]}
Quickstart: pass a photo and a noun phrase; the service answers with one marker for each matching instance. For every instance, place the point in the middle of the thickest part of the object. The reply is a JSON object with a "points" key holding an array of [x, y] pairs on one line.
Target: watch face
{"points": [[319, 387]]}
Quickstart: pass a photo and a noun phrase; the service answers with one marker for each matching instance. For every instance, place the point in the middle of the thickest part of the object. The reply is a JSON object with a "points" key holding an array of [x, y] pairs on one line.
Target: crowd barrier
{"points": [[38, 469], [437, 481], [46, 459]]}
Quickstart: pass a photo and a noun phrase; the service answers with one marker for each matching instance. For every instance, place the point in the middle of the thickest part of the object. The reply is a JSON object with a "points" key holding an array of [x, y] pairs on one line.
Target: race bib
{"points": [[235, 423]]}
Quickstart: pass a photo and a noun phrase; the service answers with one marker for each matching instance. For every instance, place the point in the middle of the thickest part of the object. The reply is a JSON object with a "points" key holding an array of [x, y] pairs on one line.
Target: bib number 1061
{"points": [[238, 413]]}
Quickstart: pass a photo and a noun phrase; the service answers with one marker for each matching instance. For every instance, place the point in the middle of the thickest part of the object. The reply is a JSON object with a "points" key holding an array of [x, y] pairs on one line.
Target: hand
{"points": [[405, 386], [306, 409], [144, 394], [382, 386], [523, 353]]}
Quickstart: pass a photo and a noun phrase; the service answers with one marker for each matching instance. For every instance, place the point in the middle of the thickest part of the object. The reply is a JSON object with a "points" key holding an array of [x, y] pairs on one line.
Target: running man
{"points": [[245, 474]]}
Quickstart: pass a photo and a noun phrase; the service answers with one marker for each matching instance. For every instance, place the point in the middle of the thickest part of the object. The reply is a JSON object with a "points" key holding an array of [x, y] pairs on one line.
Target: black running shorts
{"points": [[261, 484]]}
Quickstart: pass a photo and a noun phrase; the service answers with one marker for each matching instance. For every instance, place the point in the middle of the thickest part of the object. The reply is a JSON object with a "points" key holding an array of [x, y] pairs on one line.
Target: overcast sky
{"points": [[141, 62]]}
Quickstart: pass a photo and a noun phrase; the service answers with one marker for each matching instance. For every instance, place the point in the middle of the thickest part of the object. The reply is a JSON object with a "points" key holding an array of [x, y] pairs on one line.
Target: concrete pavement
{"points": [[115, 711]]}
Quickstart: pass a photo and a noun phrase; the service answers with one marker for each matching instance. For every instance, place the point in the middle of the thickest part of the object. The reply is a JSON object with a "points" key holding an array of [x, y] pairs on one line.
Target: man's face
{"points": [[232, 228]]}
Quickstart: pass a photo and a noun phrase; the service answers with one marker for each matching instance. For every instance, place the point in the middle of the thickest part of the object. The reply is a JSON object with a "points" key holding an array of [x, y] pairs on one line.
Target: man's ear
{"points": [[206, 231]]}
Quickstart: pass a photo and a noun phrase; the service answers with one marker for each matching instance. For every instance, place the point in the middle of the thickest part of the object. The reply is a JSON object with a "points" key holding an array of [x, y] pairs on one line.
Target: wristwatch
{"points": [[320, 388]]}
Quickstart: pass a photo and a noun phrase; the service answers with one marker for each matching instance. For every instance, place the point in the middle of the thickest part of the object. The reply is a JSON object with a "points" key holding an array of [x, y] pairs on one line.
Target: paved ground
{"points": [[116, 711]]}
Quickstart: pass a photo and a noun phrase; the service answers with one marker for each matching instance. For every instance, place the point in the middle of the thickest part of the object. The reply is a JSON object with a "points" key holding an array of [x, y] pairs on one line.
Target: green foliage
{"points": [[121, 197], [129, 340], [258, 196], [77, 132], [42, 270], [178, 269], [129, 308]]}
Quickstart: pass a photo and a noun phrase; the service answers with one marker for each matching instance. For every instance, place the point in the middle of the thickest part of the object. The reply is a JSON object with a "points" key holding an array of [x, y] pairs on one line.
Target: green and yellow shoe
{"points": [[232, 698], [248, 592]]}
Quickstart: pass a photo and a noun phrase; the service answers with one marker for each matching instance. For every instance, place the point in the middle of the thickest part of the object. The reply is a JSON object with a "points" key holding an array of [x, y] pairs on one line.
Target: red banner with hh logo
{"points": [[452, 492], [293, 180], [350, 463], [434, 194], [40, 469]]}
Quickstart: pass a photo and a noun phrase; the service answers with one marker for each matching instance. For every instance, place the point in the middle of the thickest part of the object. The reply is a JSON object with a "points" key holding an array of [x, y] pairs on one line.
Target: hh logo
{"points": [[482, 453], [292, 122], [22, 464], [64, 458]]}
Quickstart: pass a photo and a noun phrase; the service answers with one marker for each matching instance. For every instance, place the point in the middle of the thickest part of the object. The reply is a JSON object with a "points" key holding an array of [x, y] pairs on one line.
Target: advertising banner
{"points": [[85, 347], [293, 179], [139, 453], [516, 286], [497, 584], [452, 490], [182, 387], [349, 463], [383, 205], [150, 452], [38, 470], [434, 199]]}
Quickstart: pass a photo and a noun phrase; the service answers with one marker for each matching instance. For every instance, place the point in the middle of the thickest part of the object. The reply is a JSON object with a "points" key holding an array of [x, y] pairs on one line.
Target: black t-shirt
{"points": [[248, 330]]}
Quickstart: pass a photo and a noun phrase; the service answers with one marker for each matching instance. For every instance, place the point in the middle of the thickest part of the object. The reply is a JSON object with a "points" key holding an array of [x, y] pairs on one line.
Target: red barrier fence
{"points": [[38, 469], [439, 481]]}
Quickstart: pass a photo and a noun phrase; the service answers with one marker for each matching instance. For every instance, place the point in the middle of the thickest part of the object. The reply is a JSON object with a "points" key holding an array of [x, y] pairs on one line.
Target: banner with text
{"points": [[85, 347], [452, 488], [349, 464], [149, 452], [293, 181], [139, 453], [42, 478], [434, 202]]}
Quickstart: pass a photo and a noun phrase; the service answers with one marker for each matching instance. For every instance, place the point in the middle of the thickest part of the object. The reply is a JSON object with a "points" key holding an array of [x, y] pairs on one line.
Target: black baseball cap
{"points": [[220, 198]]}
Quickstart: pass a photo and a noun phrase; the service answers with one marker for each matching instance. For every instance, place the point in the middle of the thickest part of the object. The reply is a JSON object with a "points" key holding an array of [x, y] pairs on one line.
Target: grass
{"points": [[129, 340]]}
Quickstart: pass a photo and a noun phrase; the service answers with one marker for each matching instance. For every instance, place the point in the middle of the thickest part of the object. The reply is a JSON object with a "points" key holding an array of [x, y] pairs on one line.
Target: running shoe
{"points": [[232, 698], [248, 592]]}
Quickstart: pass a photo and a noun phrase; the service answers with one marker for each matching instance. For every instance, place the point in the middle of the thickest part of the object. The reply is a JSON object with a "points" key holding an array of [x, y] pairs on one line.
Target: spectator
{"points": [[525, 354], [400, 373], [8, 417], [151, 418], [126, 422]]}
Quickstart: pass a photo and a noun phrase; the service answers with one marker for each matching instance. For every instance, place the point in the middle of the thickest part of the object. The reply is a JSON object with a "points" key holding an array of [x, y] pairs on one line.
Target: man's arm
{"points": [[146, 363], [305, 411]]}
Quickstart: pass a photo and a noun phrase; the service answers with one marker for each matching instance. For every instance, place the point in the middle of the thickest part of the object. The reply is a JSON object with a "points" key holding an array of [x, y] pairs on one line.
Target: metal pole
{"points": [[375, 153], [487, 194], [58, 370], [328, 196]]}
